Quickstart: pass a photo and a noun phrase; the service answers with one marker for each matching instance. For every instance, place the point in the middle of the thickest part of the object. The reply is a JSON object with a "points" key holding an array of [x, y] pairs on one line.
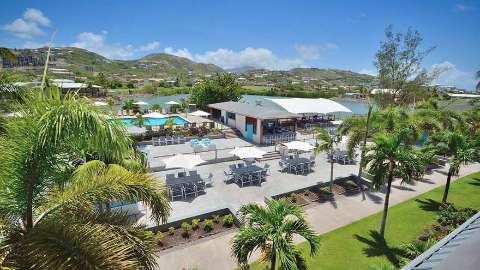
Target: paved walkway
{"points": [[214, 254]]}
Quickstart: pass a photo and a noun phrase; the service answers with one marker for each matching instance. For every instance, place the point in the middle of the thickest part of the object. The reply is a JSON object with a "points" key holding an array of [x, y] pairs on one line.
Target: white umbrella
{"points": [[298, 145], [171, 102], [140, 103], [100, 103], [247, 152], [183, 161], [155, 115], [200, 113]]}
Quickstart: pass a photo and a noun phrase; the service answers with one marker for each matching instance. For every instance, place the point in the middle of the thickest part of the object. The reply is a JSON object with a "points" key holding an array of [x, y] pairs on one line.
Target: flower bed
{"points": [[194, 229]]}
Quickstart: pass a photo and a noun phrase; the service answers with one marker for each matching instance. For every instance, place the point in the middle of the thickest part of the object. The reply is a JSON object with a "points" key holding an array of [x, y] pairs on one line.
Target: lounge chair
{"points": [[209, 180], [228, 177]]}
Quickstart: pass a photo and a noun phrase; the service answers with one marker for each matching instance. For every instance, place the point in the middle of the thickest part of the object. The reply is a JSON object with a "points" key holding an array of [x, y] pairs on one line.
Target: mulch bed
{"points": [[310, 195], [178, 237]]}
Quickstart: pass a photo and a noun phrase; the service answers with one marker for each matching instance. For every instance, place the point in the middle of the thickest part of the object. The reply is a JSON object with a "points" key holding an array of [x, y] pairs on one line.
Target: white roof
{"points": [[183, 161], [100, 103], [155, 115], [140, 103], [199, 113], [336, 122], [381, 91], [70, 85], [310, 105], [247, 152], [171, 102], [298, 145], [465, 95]]}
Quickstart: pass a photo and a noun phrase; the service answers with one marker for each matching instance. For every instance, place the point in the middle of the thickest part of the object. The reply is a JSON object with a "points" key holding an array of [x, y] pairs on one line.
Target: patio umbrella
{"points": [[155, 115], [247, 152], [200, 113], [183, 161], [171, 102], [298, 145], [140, 103], [100, 103]]}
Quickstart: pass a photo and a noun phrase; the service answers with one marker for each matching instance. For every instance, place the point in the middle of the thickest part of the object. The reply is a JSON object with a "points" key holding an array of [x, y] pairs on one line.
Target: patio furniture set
{"points": [[297, 165], [183, 185], [341, 156], [202, 145], [246, 174], [166, 140], [272, 139]]}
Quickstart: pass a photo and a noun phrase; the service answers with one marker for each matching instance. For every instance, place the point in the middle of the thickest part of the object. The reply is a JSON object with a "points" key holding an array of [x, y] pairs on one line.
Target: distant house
{"points": [[82, 89]]}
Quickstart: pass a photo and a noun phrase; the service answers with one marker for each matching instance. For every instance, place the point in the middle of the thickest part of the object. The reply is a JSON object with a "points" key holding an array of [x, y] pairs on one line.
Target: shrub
{"points": [[171, 230], [417, 247], [186, 229], [306, 192], [159, 237], [293, 197], [228, 220], [449, 215], [195, 223], [216, 218], [208, 225]]}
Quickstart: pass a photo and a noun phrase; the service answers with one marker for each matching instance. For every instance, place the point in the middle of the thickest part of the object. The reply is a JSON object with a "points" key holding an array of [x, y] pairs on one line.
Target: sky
{"points": [[275, 35]]}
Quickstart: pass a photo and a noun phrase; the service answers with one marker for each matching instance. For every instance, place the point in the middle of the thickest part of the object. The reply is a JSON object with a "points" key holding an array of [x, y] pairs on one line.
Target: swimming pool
{"points": [[148, 121]]}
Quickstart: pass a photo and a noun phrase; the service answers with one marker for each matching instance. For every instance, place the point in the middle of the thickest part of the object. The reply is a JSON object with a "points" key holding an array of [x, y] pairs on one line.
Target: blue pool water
{"points": [[147, 121]]}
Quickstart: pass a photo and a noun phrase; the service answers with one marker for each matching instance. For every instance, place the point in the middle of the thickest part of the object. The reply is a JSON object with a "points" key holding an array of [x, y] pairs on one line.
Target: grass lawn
{"points": [[357, 246]]}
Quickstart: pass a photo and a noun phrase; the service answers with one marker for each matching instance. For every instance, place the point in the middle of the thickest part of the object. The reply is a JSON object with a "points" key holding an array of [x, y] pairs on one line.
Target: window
{"points": [[231, 115]]}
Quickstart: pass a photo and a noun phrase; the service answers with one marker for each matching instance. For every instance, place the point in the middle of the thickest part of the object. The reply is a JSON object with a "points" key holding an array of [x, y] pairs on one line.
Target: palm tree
{"points": [[461, 149], [7, 54], [48, 213], [271, 229], [327, 143], [478, 84], [391, 156], [358, 129], [130, 105]]}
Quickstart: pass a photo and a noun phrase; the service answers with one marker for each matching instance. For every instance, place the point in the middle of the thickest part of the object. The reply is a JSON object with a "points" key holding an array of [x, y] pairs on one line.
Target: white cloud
{"points": [[33, 45], [226, 58], [29, 25], [97, 43], [314, 51], [150, 46], [36, 16], [462, 7], [180, 52], [451, 75]]}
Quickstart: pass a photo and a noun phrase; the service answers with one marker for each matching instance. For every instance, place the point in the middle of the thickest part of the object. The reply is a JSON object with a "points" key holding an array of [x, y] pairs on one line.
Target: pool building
{"points": [[256, 123]]}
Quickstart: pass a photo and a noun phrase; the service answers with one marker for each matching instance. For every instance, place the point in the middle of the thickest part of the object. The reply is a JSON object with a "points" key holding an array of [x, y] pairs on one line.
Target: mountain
{"points": [[86, 63], [241, 69]]}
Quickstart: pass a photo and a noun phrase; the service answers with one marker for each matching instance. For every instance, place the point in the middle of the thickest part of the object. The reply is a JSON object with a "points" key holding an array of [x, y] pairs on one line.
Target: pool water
{"points": [[147, 121]]}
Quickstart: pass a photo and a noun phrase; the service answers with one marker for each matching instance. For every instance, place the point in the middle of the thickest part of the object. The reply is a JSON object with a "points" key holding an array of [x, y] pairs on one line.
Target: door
{"points": [[249, 132]]}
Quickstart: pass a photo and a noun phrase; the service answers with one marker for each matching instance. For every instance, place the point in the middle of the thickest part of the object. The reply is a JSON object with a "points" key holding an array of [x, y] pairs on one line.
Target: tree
{"points": [[7, 54], [130, 105], [391, 156], [398, 62], [478, 84], [130, 85], [461, 150], [327, 143], [48, 213], [101, 80], [271, 229], [219, 89]]}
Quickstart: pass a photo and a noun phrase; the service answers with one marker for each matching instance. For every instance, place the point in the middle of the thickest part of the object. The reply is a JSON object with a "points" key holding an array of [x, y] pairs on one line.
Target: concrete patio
{"points": [[232, 196]]}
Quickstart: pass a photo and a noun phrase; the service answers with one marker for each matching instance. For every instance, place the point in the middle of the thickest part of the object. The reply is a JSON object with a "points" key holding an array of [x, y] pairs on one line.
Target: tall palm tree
{"points": [[461, 150], [478, 84], [388, 157], [358, 129], [48, 213], [271, 229], [327, 144]]}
